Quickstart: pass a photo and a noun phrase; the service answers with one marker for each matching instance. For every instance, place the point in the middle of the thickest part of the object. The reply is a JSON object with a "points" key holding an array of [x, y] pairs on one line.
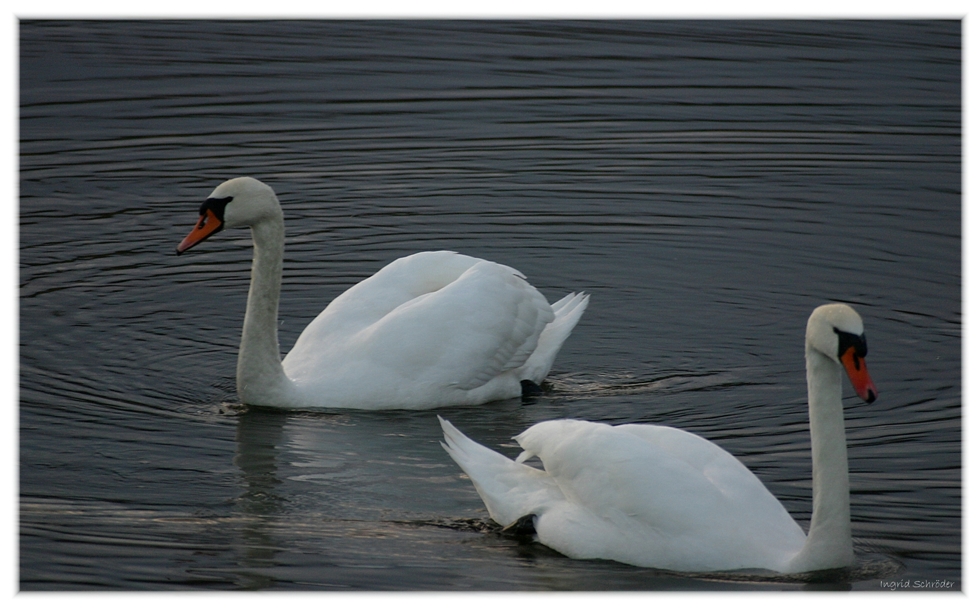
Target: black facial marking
{"points": [[846, 340], [216, 205]]}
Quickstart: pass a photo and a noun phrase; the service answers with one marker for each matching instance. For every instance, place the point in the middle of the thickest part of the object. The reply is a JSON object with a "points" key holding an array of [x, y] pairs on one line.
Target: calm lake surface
{"points": [[708, 183]]}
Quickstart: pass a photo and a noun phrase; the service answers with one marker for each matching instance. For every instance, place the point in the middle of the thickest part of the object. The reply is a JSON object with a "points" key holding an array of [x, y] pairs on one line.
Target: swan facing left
{"points": [[429, 330], [660, 497]]}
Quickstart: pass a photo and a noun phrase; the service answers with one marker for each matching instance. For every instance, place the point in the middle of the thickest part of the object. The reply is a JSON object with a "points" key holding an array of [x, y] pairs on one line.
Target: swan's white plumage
{"points": [[433, 328], [640, 494], [428, 330], [657, 496]]}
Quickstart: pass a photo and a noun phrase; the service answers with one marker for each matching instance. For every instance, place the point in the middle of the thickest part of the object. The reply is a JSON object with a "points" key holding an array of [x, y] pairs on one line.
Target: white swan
{"points": [[660, 497], [428, 330]]}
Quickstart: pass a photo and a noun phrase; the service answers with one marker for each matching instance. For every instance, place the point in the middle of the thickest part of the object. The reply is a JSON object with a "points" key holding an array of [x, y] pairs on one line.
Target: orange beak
{"points": [[208, 225], [857, 372]]}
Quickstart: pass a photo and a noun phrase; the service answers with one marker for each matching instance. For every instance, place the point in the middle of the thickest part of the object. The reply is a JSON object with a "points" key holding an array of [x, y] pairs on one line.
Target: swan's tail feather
{"points": [[569, 302], [568, 311], [508, 489]]}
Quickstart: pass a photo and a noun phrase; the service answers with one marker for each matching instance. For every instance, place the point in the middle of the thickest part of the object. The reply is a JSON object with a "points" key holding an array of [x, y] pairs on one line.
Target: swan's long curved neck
{"points": [[261, 380], [828, 543]]}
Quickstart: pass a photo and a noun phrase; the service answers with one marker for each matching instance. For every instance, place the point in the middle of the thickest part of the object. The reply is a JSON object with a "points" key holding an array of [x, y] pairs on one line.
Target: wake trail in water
{"points": [[584, 385]]}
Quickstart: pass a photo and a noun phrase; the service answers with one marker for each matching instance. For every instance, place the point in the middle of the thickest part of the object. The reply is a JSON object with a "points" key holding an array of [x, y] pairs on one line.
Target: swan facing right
{"points": [[659, 497]]}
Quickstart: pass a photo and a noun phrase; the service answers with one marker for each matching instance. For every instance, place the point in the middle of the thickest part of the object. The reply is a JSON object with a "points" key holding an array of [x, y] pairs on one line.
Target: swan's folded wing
{"points": [[611, 469], [726, 473], [484, 323], [375, 297], [663, 480], [432, 319], [508, 489], [602, 469]]}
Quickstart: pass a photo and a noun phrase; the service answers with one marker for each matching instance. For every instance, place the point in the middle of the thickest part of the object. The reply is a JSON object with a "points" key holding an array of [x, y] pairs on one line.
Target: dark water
{"points": [[709, 183]]}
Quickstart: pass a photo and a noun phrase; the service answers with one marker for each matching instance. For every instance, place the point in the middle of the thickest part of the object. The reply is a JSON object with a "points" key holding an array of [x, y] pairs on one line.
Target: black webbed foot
{"points": [[522, 528], [529, 389]]}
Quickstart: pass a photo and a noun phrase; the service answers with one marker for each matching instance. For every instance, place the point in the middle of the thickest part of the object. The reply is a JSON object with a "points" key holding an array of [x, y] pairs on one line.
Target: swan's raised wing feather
{"points": [[508, 489], [568, 311]]}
